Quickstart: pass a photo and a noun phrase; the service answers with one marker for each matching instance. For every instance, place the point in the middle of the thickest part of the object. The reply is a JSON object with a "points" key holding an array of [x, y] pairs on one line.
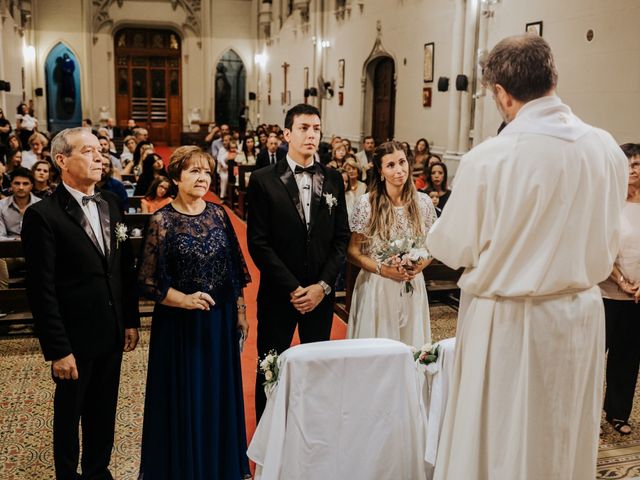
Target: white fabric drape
{"points": [[342, 410]]}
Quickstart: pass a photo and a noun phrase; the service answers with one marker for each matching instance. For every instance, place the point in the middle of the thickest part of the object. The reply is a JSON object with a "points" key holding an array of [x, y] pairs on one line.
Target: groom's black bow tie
{"points": [[96, 197], [311, 169]]}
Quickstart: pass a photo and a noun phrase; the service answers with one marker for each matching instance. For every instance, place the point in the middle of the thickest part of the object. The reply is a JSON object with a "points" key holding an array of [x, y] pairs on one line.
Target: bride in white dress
{"points": [[393, 210]]}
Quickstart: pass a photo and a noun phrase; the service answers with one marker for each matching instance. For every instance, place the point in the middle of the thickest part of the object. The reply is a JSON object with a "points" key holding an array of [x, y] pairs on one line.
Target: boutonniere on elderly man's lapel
{"points": [[331, 201], [122, 233]]}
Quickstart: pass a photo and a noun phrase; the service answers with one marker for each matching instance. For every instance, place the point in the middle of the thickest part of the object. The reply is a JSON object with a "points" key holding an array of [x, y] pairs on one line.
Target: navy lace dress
{"points": [[194, 426]]}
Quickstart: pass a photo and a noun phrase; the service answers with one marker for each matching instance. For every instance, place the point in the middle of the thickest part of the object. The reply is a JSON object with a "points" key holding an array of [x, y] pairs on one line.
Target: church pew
{"points": [[13, 248], [242, 201], [15, 310], [14, 307], [135, 201]]}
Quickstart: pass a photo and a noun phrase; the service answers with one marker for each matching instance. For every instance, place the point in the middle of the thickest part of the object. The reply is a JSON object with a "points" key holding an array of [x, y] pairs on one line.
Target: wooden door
{"points": [[148, 86], [384, 100]]}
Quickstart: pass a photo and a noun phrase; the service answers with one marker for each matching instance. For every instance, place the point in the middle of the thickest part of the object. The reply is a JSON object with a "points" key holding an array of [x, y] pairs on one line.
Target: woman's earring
{"points": [[382, 178]]}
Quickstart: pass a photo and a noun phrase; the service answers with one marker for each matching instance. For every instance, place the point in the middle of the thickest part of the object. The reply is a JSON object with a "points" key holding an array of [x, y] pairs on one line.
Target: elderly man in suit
{"points": [[272, 154], [80, 283], [298, 234]]}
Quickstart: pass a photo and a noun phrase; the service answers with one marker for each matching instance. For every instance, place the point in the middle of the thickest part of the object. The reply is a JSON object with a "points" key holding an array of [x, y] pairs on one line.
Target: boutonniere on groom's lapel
{"points": [[122, 233], [331, 201]]}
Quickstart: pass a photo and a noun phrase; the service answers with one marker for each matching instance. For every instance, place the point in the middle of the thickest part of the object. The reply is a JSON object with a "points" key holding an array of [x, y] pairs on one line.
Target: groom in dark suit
{"points": [[298, 233], [81, 288]]}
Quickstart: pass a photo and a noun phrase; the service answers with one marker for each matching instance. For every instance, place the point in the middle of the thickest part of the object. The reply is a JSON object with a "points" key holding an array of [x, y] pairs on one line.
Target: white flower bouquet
{"points": [[405, 252], [270, 367]]}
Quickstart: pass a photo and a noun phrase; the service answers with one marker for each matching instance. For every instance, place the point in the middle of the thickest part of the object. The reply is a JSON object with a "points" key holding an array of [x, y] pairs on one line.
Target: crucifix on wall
{"points": [[285, 97]]}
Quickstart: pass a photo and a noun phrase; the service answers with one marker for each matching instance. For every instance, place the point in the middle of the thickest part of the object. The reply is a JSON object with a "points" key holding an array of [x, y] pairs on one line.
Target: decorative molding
{"points": [[303, 7], [19, 11], [192, 8], [378, 51]]}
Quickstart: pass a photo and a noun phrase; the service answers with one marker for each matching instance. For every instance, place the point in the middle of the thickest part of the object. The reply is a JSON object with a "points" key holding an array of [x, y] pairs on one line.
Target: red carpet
{"points": [[250, 354]]}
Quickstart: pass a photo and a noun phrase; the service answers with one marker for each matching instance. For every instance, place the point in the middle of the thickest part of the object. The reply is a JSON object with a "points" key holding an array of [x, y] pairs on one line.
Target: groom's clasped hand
{"points": [[306, 299]]}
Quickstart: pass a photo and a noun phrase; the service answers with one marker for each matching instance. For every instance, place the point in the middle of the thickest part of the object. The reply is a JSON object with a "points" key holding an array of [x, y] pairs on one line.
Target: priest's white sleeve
{"points": [[460, 234]]}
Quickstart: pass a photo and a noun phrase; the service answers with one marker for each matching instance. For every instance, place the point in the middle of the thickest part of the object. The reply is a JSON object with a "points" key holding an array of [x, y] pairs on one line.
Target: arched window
{"points": [[62, 72]]}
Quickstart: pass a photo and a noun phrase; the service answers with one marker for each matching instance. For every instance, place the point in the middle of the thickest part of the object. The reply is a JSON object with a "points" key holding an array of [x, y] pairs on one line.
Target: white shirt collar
{"points": [[75, 193], [293, 164]]}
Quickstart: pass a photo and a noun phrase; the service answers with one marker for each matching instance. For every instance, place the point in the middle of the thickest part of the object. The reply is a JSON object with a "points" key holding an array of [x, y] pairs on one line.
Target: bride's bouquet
{"points": [[405, 252]]}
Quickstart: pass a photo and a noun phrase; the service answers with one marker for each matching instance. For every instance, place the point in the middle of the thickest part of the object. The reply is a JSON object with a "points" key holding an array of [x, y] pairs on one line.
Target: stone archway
{"points": [[230, 90], [379, 75]]}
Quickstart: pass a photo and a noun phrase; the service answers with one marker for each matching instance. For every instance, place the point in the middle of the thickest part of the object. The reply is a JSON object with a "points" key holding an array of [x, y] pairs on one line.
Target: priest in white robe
{"points": [[534, 219]]}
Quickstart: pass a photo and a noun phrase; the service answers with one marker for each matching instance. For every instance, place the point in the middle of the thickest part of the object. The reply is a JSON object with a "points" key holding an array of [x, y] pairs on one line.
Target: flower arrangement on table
{"points": [[427, 355], [405, 252], [270, 367]]}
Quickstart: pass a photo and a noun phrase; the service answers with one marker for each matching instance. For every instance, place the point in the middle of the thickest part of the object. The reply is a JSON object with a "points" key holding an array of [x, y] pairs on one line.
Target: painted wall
{"points": [[225, 24], [11, 62], [600, 79]]}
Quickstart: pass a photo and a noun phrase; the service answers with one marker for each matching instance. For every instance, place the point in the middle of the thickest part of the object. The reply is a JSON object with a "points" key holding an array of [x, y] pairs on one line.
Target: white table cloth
{"points": [[347, 409], [434, 385]]}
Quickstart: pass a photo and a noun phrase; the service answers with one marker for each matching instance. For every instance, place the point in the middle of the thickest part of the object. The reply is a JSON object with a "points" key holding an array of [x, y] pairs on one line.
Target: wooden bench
{"points": [[14, 307], [242, 202], [137, 220], [135, 201]]}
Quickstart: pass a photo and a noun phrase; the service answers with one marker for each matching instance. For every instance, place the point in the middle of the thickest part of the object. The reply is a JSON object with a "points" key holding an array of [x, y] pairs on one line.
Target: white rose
{"points": [[264, 364], [268, 375], [427, 347], [269, 358]]}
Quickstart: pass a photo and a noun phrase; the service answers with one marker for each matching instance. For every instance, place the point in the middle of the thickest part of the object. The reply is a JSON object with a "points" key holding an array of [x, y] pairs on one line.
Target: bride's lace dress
{"points": [[380, 307]]}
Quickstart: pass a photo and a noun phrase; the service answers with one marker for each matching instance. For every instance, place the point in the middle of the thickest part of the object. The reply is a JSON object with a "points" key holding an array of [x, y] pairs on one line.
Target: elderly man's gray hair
{"points": [[61, 144]]}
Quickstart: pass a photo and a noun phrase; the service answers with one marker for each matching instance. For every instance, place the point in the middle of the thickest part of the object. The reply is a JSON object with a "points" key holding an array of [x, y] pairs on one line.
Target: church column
{"points": [[479, 93], [468, 69], [456, 67], [3, 95]]}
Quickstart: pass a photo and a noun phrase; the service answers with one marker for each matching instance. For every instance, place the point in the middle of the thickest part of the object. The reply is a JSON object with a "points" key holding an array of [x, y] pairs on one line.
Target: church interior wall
{"points": [[11, 62], [65, 22], [598, 78]]}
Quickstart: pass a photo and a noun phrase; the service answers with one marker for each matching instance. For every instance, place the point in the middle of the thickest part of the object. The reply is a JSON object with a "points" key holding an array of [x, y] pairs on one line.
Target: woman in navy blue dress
{"points": [[192, 266]]}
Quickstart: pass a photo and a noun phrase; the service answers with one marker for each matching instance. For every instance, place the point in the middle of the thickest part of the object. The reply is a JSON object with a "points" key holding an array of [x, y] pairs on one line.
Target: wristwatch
{"points": [[325, 287]]}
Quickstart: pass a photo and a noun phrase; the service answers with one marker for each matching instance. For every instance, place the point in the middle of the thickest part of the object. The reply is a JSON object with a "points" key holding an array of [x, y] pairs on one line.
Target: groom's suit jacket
{"points": [[81, 299], [287, 254]]}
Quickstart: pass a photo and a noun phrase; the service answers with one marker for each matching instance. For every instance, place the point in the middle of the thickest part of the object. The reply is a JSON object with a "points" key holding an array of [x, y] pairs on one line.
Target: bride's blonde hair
{"points": [[382, 211]]}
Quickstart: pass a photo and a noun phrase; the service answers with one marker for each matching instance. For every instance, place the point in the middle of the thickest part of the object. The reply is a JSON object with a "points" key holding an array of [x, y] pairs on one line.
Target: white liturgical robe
{"points": [[534, 219]]}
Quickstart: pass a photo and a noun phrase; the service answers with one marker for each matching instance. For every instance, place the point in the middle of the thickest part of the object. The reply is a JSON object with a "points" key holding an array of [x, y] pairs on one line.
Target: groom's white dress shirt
{"points": [[305, 184]]}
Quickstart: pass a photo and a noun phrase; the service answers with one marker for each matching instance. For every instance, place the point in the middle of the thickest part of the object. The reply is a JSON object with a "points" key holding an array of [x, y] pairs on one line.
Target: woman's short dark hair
{"points": [[181, 158], [631, 149], [300, 109], [523, 65]]}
